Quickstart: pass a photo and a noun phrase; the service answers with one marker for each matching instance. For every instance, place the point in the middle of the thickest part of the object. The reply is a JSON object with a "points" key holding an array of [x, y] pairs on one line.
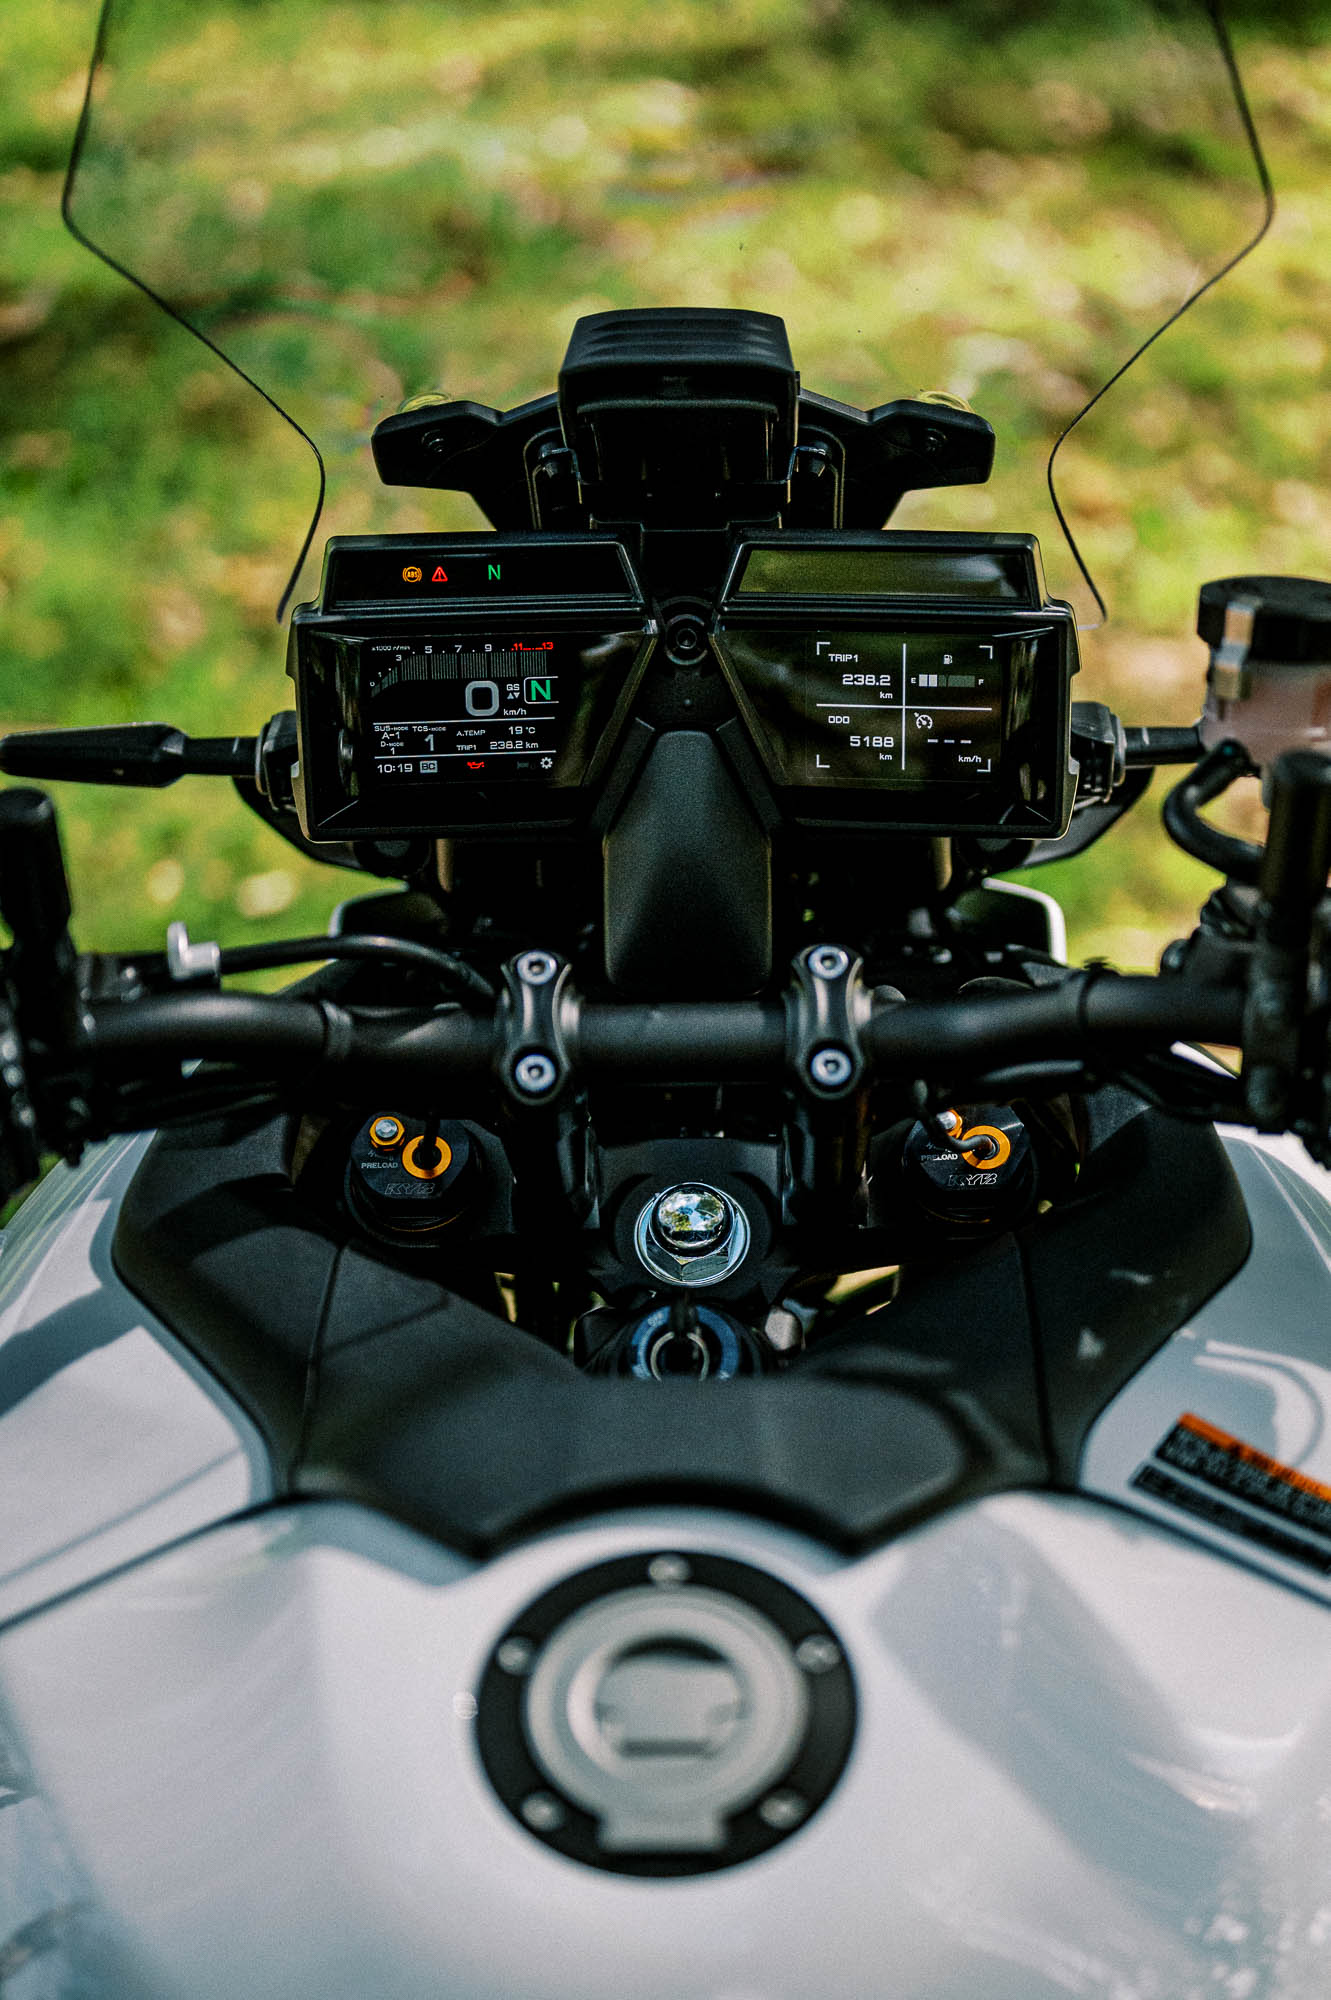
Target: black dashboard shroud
{"points": [[480, 683], [465, 683], [909, 681]]}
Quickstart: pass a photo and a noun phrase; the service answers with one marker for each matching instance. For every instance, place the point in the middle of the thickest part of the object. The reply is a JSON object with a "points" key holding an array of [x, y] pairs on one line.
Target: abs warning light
{"points": [[411, 574]]}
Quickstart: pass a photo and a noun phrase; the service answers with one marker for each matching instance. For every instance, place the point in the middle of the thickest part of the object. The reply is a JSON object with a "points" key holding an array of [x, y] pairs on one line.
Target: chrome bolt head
{"points": [[385, 1130], [543, 1812], [537, 968], [691, 1234], [782, 1809], [830, 1068], [818, 1654], [783, 1330], [668, 1572], [515, 1655], [534, 1075], [692, 1218], [828, 961]]}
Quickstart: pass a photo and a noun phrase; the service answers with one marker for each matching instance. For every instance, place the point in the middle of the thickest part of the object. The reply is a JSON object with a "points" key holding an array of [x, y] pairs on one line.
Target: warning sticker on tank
{"points": [[1226, 1465]]}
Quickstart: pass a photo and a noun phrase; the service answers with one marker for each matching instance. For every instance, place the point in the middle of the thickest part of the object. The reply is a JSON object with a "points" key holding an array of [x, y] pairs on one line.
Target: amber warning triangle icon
{"points": [[439, 575]]}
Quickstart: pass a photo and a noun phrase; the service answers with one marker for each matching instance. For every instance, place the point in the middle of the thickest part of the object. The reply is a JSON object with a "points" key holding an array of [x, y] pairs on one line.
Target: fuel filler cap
{"points": [[666, 1714]]}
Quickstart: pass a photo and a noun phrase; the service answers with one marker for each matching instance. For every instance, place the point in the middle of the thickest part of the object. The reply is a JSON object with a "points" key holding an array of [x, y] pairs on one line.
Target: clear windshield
{"points": [[358, 203]]}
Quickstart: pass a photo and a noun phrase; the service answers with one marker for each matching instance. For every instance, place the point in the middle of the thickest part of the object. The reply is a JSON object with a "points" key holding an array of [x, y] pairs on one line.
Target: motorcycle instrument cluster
{"points": [[460, 685], [476, 683], [908, 681]]}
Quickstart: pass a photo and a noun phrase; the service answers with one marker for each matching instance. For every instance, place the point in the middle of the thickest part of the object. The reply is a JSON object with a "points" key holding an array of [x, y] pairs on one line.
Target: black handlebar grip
{"points": [[139, 753], [34, 894], [1297, 858]]}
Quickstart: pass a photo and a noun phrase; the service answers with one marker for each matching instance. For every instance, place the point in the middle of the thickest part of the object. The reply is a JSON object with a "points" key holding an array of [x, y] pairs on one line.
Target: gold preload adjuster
{"points": [[1001, 1144], [411, 1161]]}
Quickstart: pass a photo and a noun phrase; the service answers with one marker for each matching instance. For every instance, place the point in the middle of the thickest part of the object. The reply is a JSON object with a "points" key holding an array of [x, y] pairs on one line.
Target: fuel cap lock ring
{"points": [[670, 1713]]}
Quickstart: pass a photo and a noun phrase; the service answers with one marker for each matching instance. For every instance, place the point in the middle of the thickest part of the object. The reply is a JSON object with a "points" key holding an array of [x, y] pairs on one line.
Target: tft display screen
{"points": [[472, 711], [459, 725], [853, 708]]}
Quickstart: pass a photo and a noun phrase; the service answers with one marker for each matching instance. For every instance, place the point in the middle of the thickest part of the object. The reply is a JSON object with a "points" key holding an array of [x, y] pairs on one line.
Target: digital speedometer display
{"points": [[478, 710], [450, 686]]}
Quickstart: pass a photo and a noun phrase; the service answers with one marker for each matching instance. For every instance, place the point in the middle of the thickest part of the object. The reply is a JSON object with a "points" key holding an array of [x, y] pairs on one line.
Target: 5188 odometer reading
{"points": [[944, 723], [855, 708]]}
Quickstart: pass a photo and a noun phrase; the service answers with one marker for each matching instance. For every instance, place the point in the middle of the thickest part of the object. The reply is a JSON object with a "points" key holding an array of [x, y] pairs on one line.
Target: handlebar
{"points": [[1096, 1012], [826, 1039]]}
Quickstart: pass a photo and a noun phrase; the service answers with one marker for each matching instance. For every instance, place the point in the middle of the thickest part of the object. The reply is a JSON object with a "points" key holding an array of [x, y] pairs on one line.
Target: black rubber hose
{"points": [[1297, 856], [1239, 860], [456, 977]]}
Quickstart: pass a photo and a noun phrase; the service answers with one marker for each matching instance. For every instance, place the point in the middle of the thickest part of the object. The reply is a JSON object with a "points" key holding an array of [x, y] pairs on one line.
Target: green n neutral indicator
{"points": [[541, 690], [492, 573]]}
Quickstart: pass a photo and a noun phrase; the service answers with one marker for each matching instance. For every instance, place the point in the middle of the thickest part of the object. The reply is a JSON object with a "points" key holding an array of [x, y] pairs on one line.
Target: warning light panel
{"points": [[363, 569]]}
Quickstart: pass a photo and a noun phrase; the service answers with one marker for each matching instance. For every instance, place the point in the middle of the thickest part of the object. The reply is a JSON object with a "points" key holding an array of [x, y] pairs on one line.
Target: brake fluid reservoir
{"points": [[1268, 686], [989, 1183]]}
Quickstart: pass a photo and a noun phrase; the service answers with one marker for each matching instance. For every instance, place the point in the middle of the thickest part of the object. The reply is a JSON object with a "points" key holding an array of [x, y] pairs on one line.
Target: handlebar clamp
{"points": [[825, 1009], [533, 1060]]}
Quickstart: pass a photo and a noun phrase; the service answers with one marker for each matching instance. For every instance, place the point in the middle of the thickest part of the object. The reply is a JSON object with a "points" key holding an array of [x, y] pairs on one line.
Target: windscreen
{"points": [[354, 205]]}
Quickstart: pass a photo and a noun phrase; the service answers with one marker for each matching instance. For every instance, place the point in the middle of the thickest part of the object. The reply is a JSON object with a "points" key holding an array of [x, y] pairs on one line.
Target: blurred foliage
{"points": [[364, 202]]}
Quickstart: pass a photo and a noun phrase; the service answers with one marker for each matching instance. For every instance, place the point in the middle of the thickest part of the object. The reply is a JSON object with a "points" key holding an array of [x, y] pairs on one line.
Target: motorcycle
{"points": [[694, 1412]]}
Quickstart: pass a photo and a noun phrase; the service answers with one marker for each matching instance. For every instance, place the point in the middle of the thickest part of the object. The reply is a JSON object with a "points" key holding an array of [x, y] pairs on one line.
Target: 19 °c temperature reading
{"points": [[467, 711]]}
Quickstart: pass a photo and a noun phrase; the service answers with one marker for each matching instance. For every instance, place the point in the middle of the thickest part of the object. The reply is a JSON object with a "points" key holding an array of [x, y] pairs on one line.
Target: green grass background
{"points": [[366, 203]]}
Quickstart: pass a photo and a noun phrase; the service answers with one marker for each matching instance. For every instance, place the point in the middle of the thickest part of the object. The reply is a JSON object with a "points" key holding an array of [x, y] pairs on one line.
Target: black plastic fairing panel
{"points": [[1036, 1333], [213, 1235], [1161, 1204], [688, 879], [502, 1448], [378, 1383]]}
